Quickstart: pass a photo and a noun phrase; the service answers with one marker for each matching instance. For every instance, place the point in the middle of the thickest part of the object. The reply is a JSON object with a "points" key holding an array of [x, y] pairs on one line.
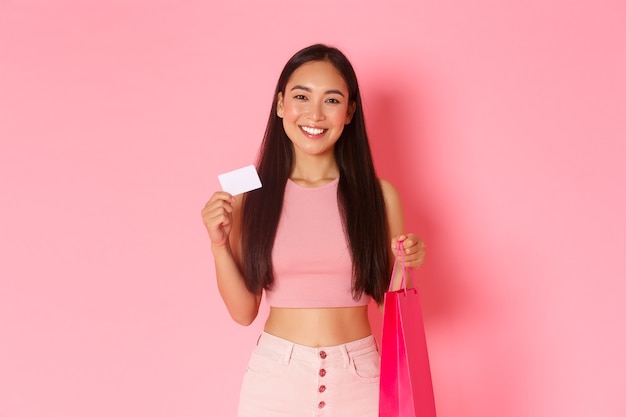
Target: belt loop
{"points": [[288, 352], [346, 356]]}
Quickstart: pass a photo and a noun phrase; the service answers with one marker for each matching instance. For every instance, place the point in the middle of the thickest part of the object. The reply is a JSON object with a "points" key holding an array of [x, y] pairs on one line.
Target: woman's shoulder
{"points": [[390, 192]]}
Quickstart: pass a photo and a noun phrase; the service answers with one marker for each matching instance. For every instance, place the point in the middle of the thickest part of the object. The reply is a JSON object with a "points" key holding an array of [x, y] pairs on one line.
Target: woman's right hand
{"points": [[217, 216]]}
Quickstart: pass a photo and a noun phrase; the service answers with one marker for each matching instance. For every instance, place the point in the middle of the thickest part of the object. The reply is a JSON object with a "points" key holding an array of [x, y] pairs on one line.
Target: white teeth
{"points": [[312, 130]]}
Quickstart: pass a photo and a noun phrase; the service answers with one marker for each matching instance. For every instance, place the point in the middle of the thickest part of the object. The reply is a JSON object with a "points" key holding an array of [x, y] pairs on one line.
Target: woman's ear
{"points": [[350, 113], [280, 109]]}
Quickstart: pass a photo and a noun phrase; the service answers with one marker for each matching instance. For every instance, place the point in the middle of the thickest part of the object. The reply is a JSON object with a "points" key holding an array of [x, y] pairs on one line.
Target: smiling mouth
{"points": [[312, 130]]}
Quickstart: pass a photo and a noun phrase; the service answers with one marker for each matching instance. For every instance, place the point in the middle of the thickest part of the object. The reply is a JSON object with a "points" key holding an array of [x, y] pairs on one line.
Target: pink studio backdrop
{"points": [[502, 123]]}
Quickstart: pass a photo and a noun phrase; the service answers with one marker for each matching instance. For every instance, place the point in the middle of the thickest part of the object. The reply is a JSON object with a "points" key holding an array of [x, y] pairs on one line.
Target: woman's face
{"points": [[315, 108]]}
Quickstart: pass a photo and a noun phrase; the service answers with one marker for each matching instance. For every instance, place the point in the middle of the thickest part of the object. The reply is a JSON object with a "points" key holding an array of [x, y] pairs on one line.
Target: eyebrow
{"points": [[301, 87]]}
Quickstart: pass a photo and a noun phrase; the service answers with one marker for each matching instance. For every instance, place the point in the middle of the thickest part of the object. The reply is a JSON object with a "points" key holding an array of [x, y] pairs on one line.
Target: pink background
{"points": [[502, 123]]}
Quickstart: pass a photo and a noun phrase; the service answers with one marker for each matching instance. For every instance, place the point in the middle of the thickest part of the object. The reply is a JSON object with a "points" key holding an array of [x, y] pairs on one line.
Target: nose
{"points": [[316, 111]]}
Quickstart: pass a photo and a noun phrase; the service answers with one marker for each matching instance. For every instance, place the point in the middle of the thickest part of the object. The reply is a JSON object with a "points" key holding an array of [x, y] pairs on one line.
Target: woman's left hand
{"points": [[414, 249]]}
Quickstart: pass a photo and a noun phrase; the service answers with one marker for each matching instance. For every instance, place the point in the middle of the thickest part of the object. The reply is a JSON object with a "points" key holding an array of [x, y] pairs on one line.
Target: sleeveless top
{"points": [[311, 255]]}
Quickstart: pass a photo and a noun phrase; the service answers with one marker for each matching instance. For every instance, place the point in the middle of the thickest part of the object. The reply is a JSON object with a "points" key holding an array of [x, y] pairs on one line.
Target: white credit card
{"points": [[240, 180]]}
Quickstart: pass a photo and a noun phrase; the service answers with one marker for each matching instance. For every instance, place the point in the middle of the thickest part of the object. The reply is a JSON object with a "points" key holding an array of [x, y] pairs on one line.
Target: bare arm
{"points": [[414, 248], [222, 219]]}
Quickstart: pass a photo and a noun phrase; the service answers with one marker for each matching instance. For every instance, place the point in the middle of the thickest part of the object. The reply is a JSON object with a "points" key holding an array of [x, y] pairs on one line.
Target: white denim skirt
{"points": [[285, 379]]}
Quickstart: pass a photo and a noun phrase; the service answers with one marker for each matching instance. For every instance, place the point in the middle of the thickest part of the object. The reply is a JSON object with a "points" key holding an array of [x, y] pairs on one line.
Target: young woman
{"points": [[319, 240]]}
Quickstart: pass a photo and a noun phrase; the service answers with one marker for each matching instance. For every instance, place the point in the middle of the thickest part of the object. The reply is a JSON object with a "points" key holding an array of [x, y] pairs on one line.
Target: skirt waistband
{"points": [[288, 350]]}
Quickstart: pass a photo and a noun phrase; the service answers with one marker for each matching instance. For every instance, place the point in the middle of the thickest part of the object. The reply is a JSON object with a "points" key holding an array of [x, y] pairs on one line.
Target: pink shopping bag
{"points": [[405, 382]]}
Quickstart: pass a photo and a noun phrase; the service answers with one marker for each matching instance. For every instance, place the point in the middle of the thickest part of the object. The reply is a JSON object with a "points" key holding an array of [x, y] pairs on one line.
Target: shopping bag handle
{"points": [[405, 270]]}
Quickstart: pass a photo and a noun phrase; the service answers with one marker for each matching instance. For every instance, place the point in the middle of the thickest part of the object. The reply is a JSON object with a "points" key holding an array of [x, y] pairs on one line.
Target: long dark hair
{"points": [[359, 194]]}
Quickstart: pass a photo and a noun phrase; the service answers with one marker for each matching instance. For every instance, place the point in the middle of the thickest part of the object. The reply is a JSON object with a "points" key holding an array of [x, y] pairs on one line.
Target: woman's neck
{"points": [[314, 173]]}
